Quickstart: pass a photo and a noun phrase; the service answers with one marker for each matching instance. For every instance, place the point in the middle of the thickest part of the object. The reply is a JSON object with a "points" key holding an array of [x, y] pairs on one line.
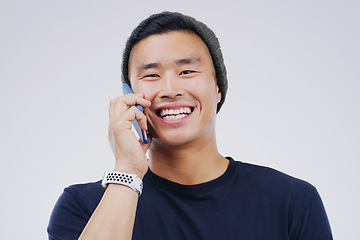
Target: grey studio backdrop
{"points": [[292, 104]]}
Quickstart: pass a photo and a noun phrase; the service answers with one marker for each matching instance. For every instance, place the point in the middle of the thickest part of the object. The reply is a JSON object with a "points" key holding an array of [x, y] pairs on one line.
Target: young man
{"points": [[175, 67]]}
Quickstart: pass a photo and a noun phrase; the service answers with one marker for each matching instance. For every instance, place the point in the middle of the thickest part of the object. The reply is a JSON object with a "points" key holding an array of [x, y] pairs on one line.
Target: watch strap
{"points": [[130, 180]]}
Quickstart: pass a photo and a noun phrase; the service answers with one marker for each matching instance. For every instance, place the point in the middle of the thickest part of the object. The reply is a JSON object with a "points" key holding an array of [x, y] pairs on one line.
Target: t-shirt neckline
{"points": [[190, 189]]}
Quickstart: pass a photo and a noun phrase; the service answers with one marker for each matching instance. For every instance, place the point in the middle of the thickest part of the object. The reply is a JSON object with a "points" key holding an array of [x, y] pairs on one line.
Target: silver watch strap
{"points": [[130, 180]]}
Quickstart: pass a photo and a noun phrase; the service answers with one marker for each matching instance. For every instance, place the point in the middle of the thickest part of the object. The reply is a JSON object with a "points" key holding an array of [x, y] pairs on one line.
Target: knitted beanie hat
{"points": [[171, 21]]}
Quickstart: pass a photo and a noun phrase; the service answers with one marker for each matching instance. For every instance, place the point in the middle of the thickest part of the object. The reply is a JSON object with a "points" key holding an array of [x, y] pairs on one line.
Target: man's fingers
{"points": [[133, 113], [119, 105], [129, 100]]}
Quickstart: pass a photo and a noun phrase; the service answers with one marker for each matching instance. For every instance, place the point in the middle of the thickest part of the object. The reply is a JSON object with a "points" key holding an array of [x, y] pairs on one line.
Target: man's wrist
{"points": [[129, 170]]}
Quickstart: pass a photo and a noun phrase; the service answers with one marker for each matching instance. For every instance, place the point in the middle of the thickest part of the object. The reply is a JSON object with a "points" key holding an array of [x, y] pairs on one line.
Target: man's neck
{"points": [[188, 164]]}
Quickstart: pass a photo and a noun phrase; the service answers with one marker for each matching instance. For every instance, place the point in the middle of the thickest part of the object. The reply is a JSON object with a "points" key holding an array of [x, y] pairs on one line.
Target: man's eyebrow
{"points": [[182, 61], [147, 66], [190, 60]]}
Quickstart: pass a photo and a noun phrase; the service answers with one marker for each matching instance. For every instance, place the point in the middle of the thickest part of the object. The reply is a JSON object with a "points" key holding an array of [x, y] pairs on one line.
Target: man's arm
{"points": [[114, 216]]}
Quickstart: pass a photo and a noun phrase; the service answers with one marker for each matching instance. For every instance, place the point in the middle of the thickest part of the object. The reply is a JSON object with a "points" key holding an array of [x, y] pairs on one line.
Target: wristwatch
{"points": [[130, 180]]}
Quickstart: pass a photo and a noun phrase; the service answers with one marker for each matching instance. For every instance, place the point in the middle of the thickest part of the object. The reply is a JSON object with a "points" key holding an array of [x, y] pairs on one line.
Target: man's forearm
{"points": [[114, 217]]}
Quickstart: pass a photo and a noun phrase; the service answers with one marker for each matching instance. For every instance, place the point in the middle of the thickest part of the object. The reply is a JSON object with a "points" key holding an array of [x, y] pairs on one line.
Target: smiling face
{"points": [[175, 72]]}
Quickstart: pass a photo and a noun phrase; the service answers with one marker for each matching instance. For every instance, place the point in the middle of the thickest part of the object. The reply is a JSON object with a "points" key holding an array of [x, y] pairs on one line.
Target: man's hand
{"points": [[128, 150]]}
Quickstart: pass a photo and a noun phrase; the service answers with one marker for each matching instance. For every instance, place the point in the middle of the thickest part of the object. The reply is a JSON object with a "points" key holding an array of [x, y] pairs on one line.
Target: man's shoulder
{"points": [[272, 180], [87, 194], [285, 197], [88, 187], [73, 209]]}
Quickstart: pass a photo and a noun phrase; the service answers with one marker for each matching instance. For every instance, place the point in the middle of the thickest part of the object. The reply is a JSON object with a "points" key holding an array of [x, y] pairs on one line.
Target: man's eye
{"points": [[186, 72], [152, 75]]}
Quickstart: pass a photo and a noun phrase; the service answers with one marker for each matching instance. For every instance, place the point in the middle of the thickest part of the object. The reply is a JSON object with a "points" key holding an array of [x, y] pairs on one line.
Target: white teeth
{"points": [[174, 117], [174, 114]]}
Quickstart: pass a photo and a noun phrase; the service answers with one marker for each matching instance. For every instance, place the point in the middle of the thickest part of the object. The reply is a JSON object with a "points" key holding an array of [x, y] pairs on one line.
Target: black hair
{"points": [[160, 25]]}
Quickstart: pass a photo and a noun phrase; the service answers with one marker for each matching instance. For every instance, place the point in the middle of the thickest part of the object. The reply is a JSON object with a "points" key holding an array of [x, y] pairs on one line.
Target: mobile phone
{"points": [[142, 134]]}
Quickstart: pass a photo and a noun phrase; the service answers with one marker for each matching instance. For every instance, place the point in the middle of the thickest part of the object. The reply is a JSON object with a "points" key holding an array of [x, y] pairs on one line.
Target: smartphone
{"points": [[142, 134]]}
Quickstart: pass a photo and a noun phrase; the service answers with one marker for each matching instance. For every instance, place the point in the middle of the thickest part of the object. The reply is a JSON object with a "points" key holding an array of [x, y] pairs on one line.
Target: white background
{"points": [[293, 99]]}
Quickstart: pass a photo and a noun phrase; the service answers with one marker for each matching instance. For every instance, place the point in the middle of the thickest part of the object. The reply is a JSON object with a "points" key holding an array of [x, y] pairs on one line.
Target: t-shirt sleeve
{"points": [[69, 217], [312, 223]]}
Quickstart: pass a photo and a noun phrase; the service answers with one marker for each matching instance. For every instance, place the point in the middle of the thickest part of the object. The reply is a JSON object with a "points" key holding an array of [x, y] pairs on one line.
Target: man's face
{"points": [[176, 73]]}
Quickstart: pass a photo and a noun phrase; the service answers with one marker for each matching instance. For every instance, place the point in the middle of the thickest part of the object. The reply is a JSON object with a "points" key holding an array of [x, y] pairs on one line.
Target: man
{"points": [[175, 67]]}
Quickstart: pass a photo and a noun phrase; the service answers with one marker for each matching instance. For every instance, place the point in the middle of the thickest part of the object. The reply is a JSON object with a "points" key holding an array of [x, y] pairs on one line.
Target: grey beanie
{"points": [[199, 28]]}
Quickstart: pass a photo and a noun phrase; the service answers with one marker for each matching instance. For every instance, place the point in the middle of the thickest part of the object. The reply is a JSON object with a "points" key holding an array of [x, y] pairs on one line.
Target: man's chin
{"points": [[170, 141]]}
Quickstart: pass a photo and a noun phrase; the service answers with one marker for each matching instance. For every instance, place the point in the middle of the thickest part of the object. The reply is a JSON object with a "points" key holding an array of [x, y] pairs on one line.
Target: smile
{"points": [[174, 114]]}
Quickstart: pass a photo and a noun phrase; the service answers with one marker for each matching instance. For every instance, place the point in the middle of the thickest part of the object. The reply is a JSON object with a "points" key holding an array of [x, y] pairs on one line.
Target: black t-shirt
{"points": [[246, 202]]}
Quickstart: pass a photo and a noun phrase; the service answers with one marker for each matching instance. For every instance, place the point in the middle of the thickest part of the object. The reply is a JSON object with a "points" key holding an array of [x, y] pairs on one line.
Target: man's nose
{"points": [[171, 87]]}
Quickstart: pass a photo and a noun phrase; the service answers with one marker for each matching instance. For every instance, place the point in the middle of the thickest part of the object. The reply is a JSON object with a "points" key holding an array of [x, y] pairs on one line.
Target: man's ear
{"points": [[218, 94]]}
